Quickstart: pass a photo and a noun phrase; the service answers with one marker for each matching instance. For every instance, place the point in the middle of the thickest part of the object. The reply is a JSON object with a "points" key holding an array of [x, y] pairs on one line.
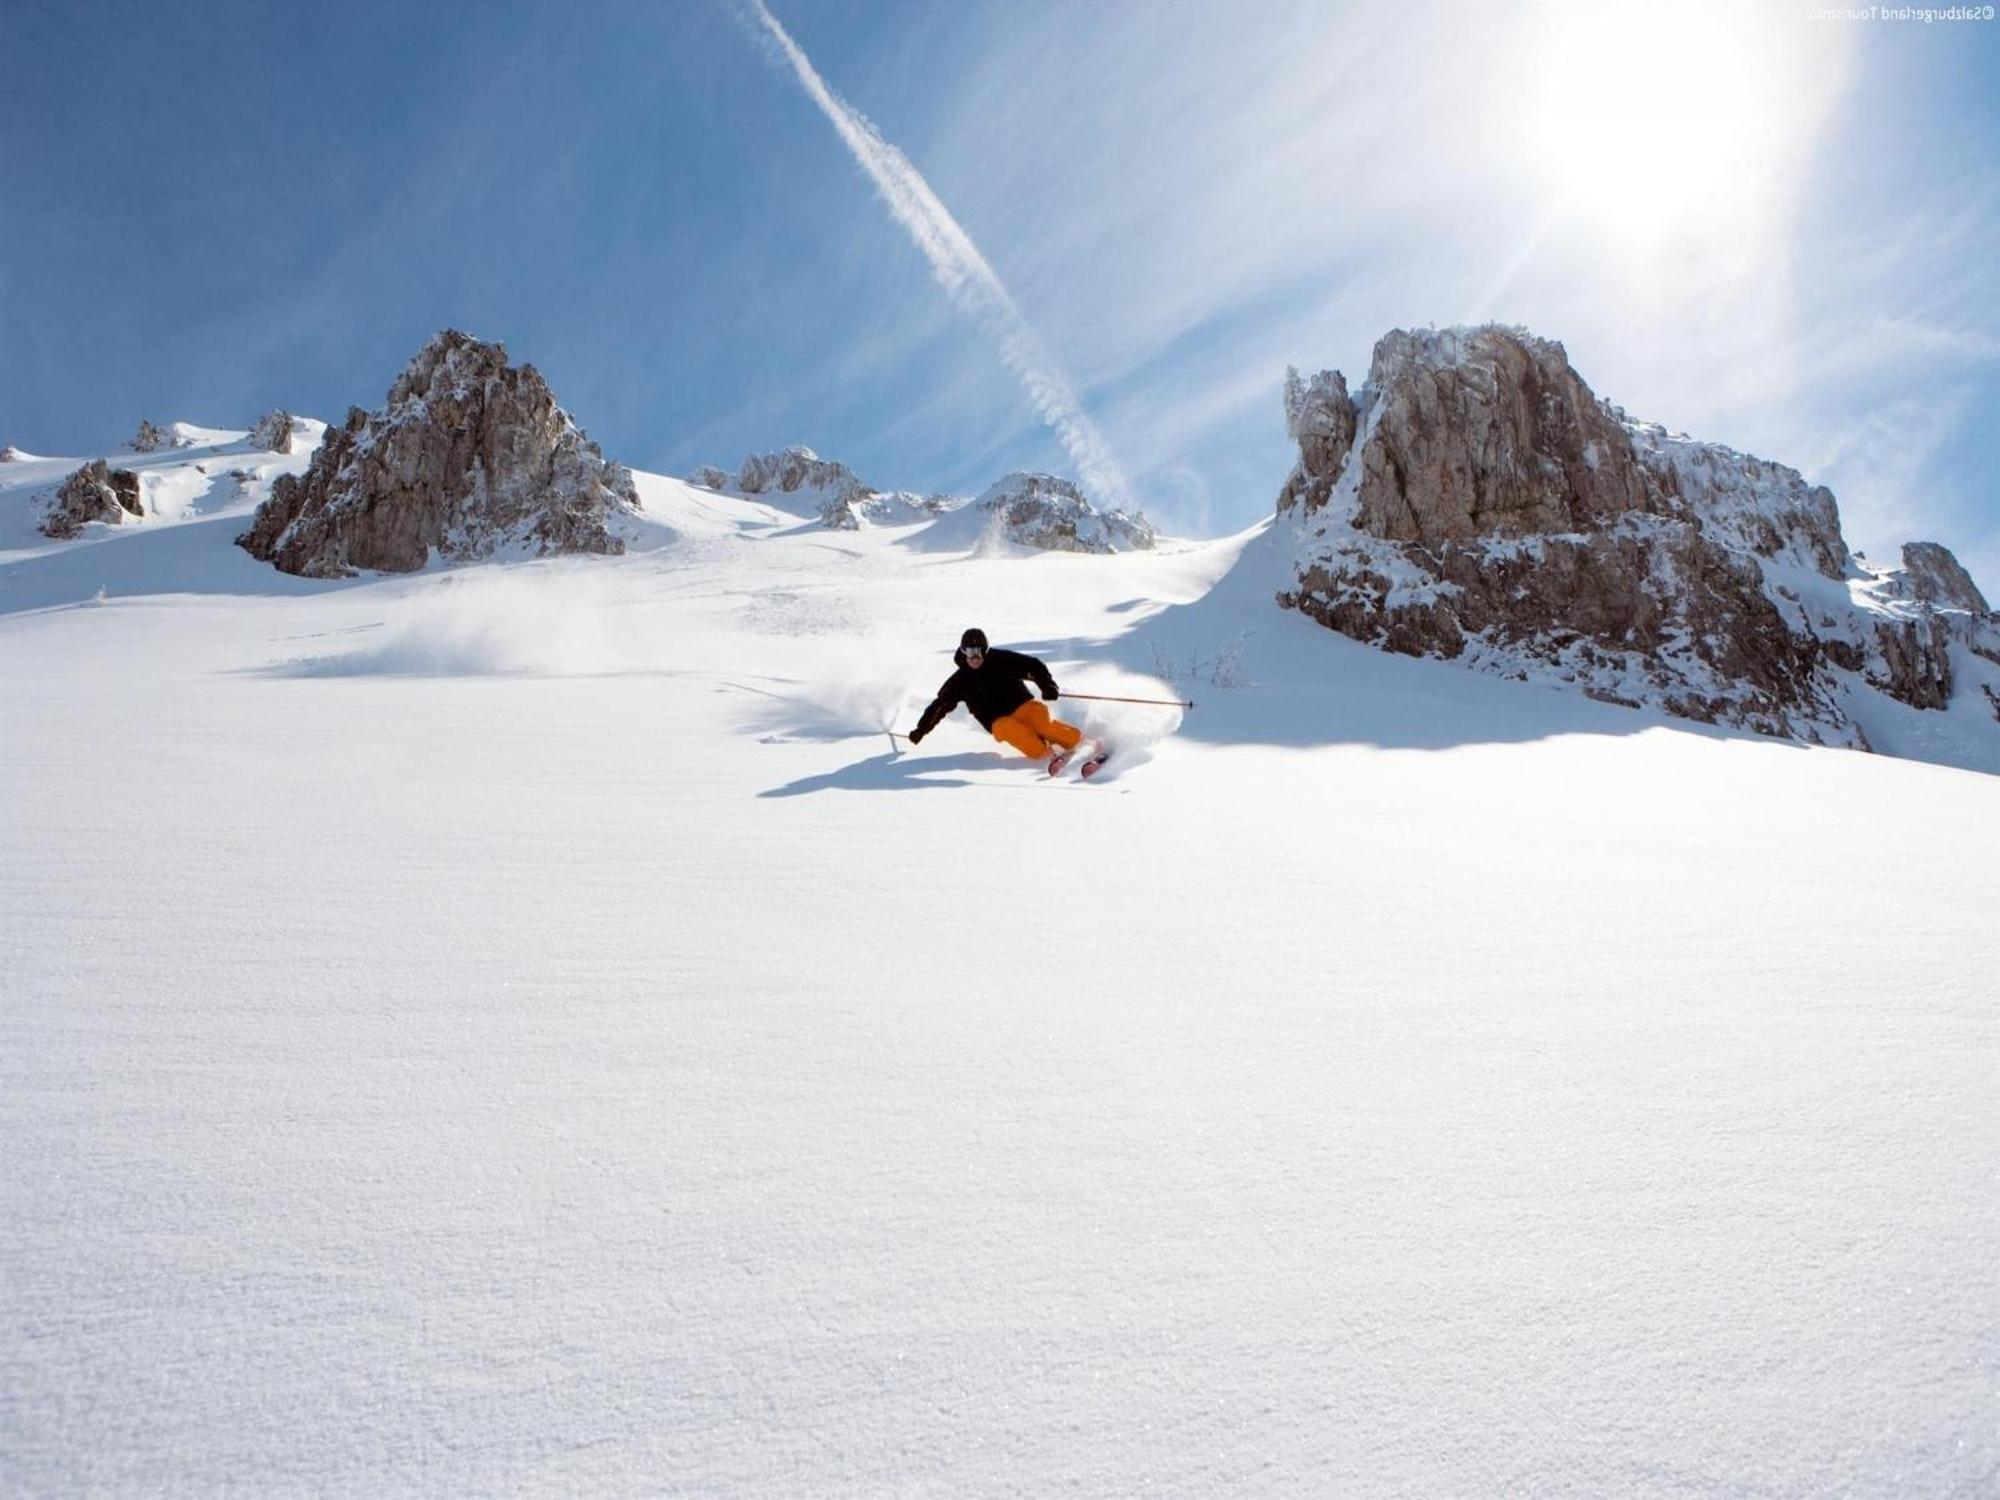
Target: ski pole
{"points": [[1156, 702]]}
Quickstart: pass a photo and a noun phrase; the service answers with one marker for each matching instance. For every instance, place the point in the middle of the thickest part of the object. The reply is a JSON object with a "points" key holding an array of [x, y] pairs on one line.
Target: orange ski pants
{"points": [[1030, 730]]}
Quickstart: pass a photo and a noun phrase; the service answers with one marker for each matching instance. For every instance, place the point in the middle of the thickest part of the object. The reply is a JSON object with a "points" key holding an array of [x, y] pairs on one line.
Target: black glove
{"points": [[915, 735], [1050, 693]]}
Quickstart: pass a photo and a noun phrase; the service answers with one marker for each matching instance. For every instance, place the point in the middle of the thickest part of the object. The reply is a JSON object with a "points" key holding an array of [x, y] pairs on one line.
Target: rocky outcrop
{"points": [[1912, 661], [1935, 577], [1475, 500], [95, 492], [10, 455], [471, 457], [709, 478], [791, 471], [1030, 510], [799, 480], [1489, 434], [273, 432], [1743, 503], [151, 438], [851, 512], [1051, 514], [1320, 417], [1933, 606]]}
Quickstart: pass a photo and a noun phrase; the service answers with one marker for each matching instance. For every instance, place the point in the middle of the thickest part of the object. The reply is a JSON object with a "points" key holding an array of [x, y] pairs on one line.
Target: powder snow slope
{"points": [[523, 1029]]}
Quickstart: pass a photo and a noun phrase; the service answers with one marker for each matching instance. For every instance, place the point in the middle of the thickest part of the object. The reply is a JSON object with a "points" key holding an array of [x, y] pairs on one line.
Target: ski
{"points": [[1093, 752]]}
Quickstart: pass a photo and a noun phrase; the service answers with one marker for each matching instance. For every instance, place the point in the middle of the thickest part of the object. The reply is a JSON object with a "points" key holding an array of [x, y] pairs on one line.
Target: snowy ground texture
{"points": [[524, 1030]]}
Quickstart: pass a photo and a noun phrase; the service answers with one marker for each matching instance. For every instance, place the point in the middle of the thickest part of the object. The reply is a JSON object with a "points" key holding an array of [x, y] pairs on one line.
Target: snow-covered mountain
{"points": [[1476, 501], [1043, 512], [1036, 512], [526, 1027], [799, 480]]}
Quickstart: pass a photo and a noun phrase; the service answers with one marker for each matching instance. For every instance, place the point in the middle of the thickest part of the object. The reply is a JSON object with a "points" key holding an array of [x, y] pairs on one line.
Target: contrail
{"points": [[961, 270]]}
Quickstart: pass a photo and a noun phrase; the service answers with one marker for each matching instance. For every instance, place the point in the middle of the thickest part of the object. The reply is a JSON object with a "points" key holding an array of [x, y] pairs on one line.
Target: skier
{"points": [[993, 685]]}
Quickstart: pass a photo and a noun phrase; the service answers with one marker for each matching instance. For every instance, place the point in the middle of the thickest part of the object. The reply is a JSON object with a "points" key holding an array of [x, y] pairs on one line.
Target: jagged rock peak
{"points": [[1936, 577], [1320, 416], [1488, 432], [1476, 499], [1050, 513], [273, 432], [470, 458], [1472, 345], [10, 455], [455, 366], [793, 469], [709, 477], [95, 492]]}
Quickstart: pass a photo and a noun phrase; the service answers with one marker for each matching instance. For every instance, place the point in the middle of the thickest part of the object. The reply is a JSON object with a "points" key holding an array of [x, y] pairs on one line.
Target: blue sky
{"points": [[1767, 229]]}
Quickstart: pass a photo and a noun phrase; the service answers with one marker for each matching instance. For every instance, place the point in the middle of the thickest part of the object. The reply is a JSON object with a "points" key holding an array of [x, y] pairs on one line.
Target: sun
{"points": [[1660, 123]]}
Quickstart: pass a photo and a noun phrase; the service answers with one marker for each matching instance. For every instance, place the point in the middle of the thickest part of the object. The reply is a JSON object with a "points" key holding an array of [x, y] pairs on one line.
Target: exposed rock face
{"points": [[154, 439], [1477, 501], [1490, 435], [1320, 417], [470, 457], [1744, 503], [10, 454], [799, 479], [791, 470], [95, 492], [1935, 577], [273, 432], [1912, 661], [884, 508], [709, 478], [1051, 514]]}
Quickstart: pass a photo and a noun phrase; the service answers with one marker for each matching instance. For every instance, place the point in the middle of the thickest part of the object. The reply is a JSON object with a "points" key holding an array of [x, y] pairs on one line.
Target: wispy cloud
{"points": [[1163, 186], [960, 269], [1186, 209]]}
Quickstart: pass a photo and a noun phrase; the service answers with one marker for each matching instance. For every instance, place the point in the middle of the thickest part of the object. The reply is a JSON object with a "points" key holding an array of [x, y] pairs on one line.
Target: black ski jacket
{"points": [[992, 691]]}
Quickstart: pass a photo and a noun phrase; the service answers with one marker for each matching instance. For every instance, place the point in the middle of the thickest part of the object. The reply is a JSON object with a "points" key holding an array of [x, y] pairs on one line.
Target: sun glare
{"points": [[1657, 124]]}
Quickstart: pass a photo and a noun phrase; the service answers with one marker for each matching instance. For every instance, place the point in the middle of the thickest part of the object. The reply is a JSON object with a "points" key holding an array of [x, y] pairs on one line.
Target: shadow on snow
{"points": [[185, 557], [893, 771]]}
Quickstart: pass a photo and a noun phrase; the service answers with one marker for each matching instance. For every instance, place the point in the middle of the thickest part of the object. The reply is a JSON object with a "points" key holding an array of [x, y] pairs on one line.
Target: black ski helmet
{"points": [[973, 637]]}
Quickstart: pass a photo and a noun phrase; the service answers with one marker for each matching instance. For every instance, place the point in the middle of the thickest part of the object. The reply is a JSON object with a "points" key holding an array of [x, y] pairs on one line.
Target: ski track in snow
{"points": [[494, 1031]]}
